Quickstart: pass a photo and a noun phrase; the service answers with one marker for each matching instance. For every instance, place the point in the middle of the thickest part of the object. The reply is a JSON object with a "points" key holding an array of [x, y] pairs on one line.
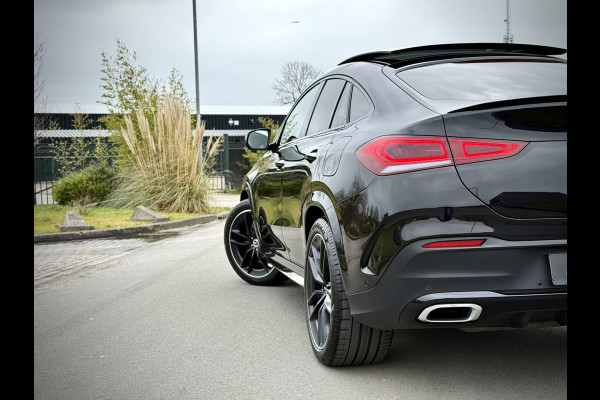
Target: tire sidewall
{"points": [[322, 227]]}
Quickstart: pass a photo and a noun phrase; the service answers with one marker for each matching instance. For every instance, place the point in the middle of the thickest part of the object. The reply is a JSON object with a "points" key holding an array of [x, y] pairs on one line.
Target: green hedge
{"points": [[90, 185]]}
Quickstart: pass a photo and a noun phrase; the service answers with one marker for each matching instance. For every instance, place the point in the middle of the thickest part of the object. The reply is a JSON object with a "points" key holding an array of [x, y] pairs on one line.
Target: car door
{"points": [[300, 160], [267, 176]]}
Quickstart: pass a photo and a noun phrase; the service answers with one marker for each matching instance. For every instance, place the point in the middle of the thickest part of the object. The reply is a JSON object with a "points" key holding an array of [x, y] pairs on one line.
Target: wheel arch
{"points": [[320, 205]]}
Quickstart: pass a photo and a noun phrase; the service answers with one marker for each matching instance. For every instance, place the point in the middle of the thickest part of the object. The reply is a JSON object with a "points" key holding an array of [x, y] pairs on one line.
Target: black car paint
{"points": [[374, 218]]}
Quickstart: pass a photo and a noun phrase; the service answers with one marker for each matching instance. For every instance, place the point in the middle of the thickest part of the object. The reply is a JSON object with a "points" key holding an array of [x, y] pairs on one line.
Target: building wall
{"points": [[245, 121], [65, 121], [46, 167]]}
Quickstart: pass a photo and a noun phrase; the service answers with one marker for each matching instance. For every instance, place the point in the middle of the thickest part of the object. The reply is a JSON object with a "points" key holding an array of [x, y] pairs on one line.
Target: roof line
{"points": [[415, 54]]}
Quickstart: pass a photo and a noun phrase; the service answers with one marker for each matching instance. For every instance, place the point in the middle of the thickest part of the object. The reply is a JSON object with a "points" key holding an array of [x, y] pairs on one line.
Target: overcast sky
{"points": [[243, 44]]}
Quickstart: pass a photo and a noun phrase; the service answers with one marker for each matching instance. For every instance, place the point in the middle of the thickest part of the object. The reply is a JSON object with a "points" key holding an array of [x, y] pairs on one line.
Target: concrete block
{"points": [[73, 222], [141, 213]]}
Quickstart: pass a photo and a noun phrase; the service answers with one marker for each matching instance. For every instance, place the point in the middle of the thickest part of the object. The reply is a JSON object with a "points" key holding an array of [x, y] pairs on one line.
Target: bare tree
{"points": [[39, 102], [295, 76]]}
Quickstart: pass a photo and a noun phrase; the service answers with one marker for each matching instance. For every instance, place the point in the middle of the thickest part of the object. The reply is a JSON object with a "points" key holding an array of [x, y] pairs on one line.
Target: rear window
{"points": [[488, 80]]}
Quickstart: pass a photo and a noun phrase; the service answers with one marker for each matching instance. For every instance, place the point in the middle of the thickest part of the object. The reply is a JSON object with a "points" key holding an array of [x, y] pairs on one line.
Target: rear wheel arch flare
{"points": [[313, 213], [323, 202]]}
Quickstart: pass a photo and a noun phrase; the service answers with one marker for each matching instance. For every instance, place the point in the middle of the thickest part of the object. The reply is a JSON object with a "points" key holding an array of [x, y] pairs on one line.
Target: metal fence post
{"points": [[226, 160]]}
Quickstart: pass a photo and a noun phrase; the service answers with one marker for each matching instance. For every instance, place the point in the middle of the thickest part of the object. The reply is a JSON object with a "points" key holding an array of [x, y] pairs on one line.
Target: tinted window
{"points": [[340, 117], [295, 121], [325, 107], [359, 106], [488, 80]]}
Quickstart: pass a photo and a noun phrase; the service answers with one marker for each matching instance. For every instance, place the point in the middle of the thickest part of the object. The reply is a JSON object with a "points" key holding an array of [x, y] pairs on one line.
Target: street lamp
{"points": [[197, 82]]}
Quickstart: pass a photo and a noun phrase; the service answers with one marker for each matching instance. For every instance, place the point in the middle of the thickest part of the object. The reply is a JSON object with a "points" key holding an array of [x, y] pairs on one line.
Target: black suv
{"points": [[416, 188]]}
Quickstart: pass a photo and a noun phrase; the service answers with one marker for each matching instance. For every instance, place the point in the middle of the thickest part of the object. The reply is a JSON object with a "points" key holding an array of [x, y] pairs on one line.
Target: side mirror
{"points": [[258, 139]]}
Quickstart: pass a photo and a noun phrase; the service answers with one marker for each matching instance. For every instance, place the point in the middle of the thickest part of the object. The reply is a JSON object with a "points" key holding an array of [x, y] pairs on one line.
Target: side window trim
{"points": [[305, 125], [367, 97], [341, 98], [353, 86], [312, 108], [326, 81]]}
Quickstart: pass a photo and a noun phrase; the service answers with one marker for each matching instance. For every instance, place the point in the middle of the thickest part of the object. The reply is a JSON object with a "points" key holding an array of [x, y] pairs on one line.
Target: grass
{"points": [[46, 217]]}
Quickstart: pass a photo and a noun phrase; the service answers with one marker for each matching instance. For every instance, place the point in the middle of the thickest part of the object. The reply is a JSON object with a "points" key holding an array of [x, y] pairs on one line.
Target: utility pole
{"points": [[508, 38], [197, 82]]}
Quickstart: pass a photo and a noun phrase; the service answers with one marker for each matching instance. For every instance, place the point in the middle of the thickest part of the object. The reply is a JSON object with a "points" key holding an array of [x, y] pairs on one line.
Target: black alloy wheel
{"points": [[336, 337], [318, 290], [245, 247]]}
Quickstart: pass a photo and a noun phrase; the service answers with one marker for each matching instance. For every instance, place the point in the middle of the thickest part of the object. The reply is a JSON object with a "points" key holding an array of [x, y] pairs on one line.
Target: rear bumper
{"points": [[509, 280], [497, 309]]}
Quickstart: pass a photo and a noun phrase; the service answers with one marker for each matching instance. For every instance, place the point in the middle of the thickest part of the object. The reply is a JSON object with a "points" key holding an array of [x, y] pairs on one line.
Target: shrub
{"points": [[162, 171], [89, 185]]}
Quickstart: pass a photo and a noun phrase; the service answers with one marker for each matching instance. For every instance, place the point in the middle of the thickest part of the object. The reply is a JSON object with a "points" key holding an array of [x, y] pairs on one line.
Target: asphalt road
{"points": [[166, 317]]}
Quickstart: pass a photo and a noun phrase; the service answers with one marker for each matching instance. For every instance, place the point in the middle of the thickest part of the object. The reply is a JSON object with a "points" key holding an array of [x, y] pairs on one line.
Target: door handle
{"points": [[279, 164], [312, 156]]}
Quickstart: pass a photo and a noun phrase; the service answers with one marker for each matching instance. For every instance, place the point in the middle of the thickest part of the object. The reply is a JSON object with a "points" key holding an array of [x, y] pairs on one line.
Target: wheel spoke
{"points": [[327, 303], [243, 242], [314, 266], [238, 243], [260, 258], [264, 232], [323, 323], [248, 223], [315, 301], [248, 259], [240, 234]]}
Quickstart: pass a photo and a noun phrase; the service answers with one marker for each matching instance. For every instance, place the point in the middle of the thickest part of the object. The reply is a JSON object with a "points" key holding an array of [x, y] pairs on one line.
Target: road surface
{"points": [[164, 316]]}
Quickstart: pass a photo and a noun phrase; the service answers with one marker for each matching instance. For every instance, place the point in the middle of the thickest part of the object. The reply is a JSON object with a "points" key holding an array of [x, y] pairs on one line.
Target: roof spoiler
{"points": [[513, 103], [411, 55]]}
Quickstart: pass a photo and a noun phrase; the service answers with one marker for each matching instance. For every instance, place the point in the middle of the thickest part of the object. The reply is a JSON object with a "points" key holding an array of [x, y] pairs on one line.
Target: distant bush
{"points": [[90, 185]]}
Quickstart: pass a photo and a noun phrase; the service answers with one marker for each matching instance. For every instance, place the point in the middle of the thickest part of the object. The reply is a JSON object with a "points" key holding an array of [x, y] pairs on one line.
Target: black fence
{"points": [[42, 192], [226, 172]]}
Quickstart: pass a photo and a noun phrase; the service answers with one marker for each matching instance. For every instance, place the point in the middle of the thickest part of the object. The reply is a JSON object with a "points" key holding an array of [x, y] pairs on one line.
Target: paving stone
{"points": [[73, 222], [141, 213]]}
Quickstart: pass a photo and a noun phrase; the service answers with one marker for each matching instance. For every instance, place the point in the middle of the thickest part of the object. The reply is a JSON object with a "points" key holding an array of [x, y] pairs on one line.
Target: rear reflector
{"points": [[455, 243], [389, 155]]}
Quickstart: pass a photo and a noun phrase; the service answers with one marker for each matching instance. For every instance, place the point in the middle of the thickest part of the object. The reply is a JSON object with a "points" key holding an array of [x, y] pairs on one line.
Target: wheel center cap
{"points": [[255, 243]]}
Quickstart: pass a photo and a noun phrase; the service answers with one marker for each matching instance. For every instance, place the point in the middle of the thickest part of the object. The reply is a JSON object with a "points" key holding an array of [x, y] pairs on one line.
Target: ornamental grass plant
{"points": [[163, 172]]}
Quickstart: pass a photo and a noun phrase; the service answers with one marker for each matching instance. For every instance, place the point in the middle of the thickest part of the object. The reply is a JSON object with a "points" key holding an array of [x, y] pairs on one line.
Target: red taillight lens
{"points": [[393, 155], [455, 243], [389, 155], [473, 150]]}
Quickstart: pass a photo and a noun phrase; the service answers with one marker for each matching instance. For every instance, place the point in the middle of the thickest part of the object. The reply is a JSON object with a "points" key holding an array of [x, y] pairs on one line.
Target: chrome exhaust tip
{"points": [[450, 313]]}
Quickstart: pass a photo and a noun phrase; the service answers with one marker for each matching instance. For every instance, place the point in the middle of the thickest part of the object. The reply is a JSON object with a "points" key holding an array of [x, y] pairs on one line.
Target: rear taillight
{"points": [[389, 155], [466, 151]]}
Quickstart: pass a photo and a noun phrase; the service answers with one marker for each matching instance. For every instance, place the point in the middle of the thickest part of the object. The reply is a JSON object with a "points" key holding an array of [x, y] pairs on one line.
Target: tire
{"points": [[336, 338], [245, 248]]}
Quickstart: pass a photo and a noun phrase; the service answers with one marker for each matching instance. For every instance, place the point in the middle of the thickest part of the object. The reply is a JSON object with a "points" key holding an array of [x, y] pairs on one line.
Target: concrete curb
{"points": [[127, 231]]}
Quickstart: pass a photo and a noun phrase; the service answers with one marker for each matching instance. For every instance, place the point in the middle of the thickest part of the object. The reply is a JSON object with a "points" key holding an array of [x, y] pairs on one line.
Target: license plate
{"points": [[558, 268]]}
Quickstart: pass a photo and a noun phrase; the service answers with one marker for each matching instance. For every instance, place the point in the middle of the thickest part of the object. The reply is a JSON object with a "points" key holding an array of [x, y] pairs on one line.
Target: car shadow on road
{"points": [[528, 363]]}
